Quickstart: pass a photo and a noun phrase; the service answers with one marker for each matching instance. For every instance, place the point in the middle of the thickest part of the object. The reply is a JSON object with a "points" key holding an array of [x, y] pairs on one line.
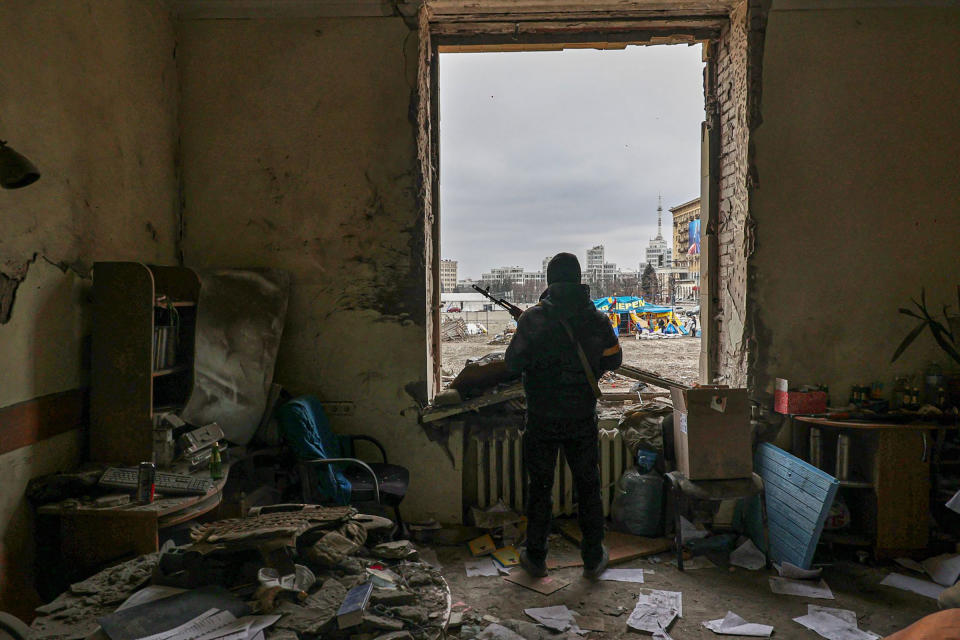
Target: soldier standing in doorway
{"points": [[562, 346]]}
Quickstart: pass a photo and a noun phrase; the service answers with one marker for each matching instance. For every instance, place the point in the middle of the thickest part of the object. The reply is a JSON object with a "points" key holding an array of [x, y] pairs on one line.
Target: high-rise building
{"points": [[448, 275], [686, 247], [594, 258], [658, 252]]}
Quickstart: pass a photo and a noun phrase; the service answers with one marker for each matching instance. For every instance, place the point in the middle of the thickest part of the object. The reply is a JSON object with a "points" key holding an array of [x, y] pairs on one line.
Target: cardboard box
{"points": [[711, 430], [797, 402]]}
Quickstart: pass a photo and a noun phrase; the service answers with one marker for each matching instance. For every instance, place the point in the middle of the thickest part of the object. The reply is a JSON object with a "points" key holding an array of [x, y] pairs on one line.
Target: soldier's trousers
{"points": [[542, 439]]}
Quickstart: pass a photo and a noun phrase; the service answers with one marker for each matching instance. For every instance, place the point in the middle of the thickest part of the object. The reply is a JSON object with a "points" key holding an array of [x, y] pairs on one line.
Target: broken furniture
{"points": [[144, 318], [683, 488], [90, 536], [887, 483], [798, 497], [329, 468]]}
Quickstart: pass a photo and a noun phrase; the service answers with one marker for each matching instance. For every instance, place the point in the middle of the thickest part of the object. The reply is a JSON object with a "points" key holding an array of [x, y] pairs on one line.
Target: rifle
{"points": [[514, 310]]}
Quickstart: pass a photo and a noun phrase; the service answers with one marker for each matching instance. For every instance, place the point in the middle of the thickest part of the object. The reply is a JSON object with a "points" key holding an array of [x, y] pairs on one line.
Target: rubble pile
{"points": [[298, 564]]}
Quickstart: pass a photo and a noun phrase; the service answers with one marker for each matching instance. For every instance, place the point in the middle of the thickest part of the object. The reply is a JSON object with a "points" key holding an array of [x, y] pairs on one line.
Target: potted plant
{"points": [[947, 335]]}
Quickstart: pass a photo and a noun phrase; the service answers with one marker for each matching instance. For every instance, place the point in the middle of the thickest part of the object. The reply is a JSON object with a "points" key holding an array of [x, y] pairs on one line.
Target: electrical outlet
{"points": [[338, 407]]}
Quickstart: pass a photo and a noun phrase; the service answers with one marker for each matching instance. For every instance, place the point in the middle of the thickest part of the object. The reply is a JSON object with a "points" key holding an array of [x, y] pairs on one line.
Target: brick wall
{"points": [[732, 91]]}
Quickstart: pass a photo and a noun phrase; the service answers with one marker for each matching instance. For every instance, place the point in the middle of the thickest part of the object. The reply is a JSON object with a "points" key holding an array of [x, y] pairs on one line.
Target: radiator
{"points": [[499, 471]]}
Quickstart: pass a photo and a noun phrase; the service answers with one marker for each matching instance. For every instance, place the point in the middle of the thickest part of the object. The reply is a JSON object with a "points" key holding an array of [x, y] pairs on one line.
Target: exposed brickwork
{"points": [[732, 92]]}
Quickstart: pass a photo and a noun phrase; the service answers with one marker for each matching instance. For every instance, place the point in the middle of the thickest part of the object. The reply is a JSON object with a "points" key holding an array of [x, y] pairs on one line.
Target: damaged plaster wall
{"points": [[733, 227], [89, 94], [856, 205], [299, 152]]}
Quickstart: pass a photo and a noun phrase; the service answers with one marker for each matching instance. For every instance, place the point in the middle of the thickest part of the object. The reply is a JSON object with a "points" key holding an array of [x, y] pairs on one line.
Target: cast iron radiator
{"points": [[494, 471]]}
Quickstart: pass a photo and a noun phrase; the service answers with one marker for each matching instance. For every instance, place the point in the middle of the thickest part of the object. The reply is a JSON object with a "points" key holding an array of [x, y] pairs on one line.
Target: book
{"points": [[350, 613]]}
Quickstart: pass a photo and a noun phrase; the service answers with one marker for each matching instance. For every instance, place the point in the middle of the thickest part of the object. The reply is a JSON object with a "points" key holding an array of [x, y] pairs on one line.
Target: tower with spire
{"points": [[658, 252]]}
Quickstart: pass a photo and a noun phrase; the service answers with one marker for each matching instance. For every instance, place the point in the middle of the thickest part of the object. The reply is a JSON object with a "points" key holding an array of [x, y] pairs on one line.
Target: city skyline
{"points": [[543, 152]]}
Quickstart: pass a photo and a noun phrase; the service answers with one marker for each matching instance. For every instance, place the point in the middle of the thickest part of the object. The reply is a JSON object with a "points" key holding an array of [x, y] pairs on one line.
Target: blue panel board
{"points": [[798, 498]]}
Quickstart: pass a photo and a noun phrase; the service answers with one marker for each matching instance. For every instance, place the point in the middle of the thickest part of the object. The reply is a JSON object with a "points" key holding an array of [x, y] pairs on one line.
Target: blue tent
{"points": [[626, 314]]}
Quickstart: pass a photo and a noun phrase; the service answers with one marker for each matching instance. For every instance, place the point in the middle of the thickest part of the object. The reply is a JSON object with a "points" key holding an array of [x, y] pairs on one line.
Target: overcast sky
{"points": [[544, 152]]}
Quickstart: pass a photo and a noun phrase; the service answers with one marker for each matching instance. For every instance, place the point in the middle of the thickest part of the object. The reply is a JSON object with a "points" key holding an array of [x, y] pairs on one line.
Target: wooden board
{"points": [[798, 499], [546, 586], [622, 546]]}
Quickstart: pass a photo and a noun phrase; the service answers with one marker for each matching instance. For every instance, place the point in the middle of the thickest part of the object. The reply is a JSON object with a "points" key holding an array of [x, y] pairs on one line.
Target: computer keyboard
{"points": [[166, 483]]}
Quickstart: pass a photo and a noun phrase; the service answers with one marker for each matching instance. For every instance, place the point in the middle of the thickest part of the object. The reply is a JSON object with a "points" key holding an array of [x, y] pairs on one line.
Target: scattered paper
{"points": [[149, 594], [909, 563], [734, 625], [696, 562], [923, 587], [954, 503], [623, 575], [689, 531], [480, 567], [557, 618], [788, 587], [944, 569], [656, 611], [748, 556], [788, 570], [834, 624]]}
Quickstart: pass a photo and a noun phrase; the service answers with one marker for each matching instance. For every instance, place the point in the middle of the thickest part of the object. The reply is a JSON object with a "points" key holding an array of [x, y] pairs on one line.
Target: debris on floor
{"points": [[300, 568], [656, 611], [734, 625], [834, 624], [748, 556], [623, 575], [802, 588], [916, 585]]}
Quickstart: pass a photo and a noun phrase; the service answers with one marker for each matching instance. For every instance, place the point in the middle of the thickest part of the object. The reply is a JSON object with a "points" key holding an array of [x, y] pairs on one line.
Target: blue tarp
{"points": [[305, 428]]}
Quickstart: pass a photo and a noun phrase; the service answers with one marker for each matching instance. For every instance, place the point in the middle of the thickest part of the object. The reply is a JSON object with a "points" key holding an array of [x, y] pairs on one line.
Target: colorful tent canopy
{"points": [[623, 304]]}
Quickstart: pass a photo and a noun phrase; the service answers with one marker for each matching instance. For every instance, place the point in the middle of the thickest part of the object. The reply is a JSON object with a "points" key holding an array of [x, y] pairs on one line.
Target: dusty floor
{"points": [[677, 358], [707, 594]]}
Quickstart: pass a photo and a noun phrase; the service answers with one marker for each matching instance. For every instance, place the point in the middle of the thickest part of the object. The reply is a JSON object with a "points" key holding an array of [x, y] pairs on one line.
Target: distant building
{"points": [[448, 275], [598, 270], [546, 261], [658, 252], [686, 248], [463, 302]]}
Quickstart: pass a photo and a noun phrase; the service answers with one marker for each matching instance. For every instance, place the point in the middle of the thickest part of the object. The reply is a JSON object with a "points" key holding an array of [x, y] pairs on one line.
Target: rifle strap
{"points": [[587, 369]]}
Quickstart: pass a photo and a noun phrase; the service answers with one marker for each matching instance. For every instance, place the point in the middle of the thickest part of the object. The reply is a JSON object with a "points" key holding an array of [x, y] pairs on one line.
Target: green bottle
{"points": [[216, 465]]}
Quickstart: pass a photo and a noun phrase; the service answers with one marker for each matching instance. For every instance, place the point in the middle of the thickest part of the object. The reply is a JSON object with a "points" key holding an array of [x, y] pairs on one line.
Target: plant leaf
{"points": [[938, 334], [908, 312], [908, 340], [946, 317]]}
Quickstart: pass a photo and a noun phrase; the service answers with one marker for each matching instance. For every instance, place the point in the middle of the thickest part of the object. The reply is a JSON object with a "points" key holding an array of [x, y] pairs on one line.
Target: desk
{"points": [[91, 536], [888, 488]]}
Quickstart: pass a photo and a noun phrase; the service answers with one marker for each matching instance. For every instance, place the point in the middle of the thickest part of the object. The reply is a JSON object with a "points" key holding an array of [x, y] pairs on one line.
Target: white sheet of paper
{"points": [[656, 611], [788, 570], [944, 569], [832, 627], [480, 567], [923, 587], [801, 588], [954, 503], [734, 625], [689, 531], [149, 594], [206, 621], [748, 556], [498, 632], [558, 617], [623, 575], [850, 617]]}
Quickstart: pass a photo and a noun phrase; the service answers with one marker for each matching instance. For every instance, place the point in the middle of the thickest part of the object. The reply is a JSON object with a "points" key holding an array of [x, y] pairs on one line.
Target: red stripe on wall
{"points": [[29, 422]]}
